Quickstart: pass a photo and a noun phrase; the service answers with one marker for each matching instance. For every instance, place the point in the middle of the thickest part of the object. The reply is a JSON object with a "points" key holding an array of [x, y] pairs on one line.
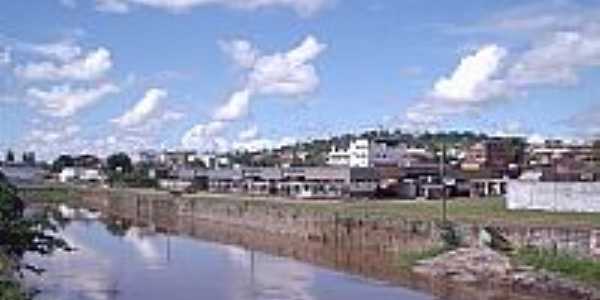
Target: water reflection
{"points": [[137, 263]]}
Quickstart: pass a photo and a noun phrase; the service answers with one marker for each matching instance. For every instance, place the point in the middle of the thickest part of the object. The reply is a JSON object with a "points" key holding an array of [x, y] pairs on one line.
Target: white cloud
{"points": [[92, 66], [242, 52], [52, 135], [143, 110], [236, 107], [113, 6], [557, 60], [248, 134], [302, 7], [473, 78], [475, 82], [65, 50], [64, 101], [5, 56], [205, 136], [289, 74], [256, 144]]}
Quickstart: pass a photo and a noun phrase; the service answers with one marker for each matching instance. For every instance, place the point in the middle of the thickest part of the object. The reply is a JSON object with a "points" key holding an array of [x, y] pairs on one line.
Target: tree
{"points": [[10, 156], [29, 158], [119, 162], [21, 234], [62, 162], [596, 151]]}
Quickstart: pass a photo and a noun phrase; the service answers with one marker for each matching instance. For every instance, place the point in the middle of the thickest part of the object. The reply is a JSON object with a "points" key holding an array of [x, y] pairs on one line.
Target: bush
{"points": [[583, 269], [19, 235], [450, 236]]}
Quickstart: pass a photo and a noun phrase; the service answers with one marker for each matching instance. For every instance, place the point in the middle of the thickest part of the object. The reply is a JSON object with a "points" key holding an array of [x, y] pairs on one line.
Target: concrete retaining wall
{"points": [[553, 196], [350, 232]]}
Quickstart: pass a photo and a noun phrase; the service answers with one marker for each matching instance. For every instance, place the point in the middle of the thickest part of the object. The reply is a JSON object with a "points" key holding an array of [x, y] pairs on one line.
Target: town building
{"points": [[365, 153], [177, 158], [80, 174]]}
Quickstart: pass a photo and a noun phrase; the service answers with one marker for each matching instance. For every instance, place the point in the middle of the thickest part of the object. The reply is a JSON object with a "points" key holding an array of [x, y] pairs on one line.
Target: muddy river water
{"points": [[120, 259]]}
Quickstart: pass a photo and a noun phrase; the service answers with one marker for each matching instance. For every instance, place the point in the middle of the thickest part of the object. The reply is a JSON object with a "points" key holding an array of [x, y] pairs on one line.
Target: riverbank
{"points": [[490, 211], [536, 272]]}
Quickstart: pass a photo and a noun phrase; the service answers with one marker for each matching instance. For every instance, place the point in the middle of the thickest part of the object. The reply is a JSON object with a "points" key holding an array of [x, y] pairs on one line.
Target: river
{"points": [[119, 258], [141, 264]]}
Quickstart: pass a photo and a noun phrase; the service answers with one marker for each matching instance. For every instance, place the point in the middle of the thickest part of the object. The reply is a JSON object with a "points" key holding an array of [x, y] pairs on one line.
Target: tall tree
{"points": [[62, 162], [119, 162], [596, 151], [10, 156]]}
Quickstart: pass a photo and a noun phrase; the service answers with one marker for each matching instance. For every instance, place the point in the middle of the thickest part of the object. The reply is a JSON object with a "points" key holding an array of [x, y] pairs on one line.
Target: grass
{"points": [[9, 290], [489, 211], [53, 195], [408, 259], [582, 269]]}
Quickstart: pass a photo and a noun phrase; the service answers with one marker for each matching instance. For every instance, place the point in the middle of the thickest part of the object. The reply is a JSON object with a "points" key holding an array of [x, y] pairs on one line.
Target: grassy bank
{"points": [[463, 210], [408, 259], [570, 266], [9, 289], [49, 195]]}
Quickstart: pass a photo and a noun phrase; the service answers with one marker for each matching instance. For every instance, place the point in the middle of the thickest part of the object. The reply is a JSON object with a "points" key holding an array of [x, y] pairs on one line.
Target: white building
{"points": [[363, 153], [70, 174]]}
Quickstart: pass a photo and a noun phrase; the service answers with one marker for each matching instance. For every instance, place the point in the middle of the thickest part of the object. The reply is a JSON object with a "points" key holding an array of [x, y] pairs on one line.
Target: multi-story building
{"points": [[177, 158], [364, 153], [494, 154]]}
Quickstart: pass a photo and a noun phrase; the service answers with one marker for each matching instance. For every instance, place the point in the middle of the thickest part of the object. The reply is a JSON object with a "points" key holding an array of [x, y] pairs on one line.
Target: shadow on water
{"points": [[123, 254]]}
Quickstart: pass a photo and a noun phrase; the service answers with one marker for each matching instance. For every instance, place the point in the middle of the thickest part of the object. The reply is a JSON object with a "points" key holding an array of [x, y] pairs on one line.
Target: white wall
{"points": [[553, 196]]}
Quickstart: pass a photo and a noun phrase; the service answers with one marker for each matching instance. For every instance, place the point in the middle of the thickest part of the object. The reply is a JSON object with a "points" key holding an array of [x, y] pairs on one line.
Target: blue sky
{"points": [[100, 76]]}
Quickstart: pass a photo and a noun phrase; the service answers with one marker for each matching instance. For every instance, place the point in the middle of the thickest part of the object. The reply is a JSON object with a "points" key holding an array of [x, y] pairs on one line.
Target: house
{"points": [[225, 180], [501, 154], [21, 175], [80, 174], [315, 182], [365, 153], [177, 158]]}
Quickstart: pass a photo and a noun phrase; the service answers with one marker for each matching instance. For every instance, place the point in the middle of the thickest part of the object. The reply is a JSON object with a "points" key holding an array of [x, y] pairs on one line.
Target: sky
{"points": [[101, 76]]}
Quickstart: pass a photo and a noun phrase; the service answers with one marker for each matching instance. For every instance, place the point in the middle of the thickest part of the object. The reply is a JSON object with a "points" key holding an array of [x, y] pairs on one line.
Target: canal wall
{"points": [[328, 227], [553, 196]]}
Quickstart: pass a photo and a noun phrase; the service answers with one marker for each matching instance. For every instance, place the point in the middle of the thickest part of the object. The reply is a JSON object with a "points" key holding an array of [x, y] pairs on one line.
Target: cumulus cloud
{"points": [[302, 7], [205, 136], [557, 59], [257, 144], [89, 67], [472, 80], [112, 6], [287, 74], [242, 52], [249, 133], [235, 108], [65, 50], [143, 109], [65, 101], [5, 56], [54, 134], [473, 83], [554, 59]]}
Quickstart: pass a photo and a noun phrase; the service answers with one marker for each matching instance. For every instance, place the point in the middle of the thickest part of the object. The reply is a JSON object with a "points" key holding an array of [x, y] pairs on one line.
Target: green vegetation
{"points": [[568, 265], [486, 211], [55, 195], [407, 259], [20, 235], [11, 291]]}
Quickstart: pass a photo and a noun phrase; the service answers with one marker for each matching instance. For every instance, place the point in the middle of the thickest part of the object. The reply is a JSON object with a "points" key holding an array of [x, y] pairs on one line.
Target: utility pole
{"points": [[443, 181]]}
